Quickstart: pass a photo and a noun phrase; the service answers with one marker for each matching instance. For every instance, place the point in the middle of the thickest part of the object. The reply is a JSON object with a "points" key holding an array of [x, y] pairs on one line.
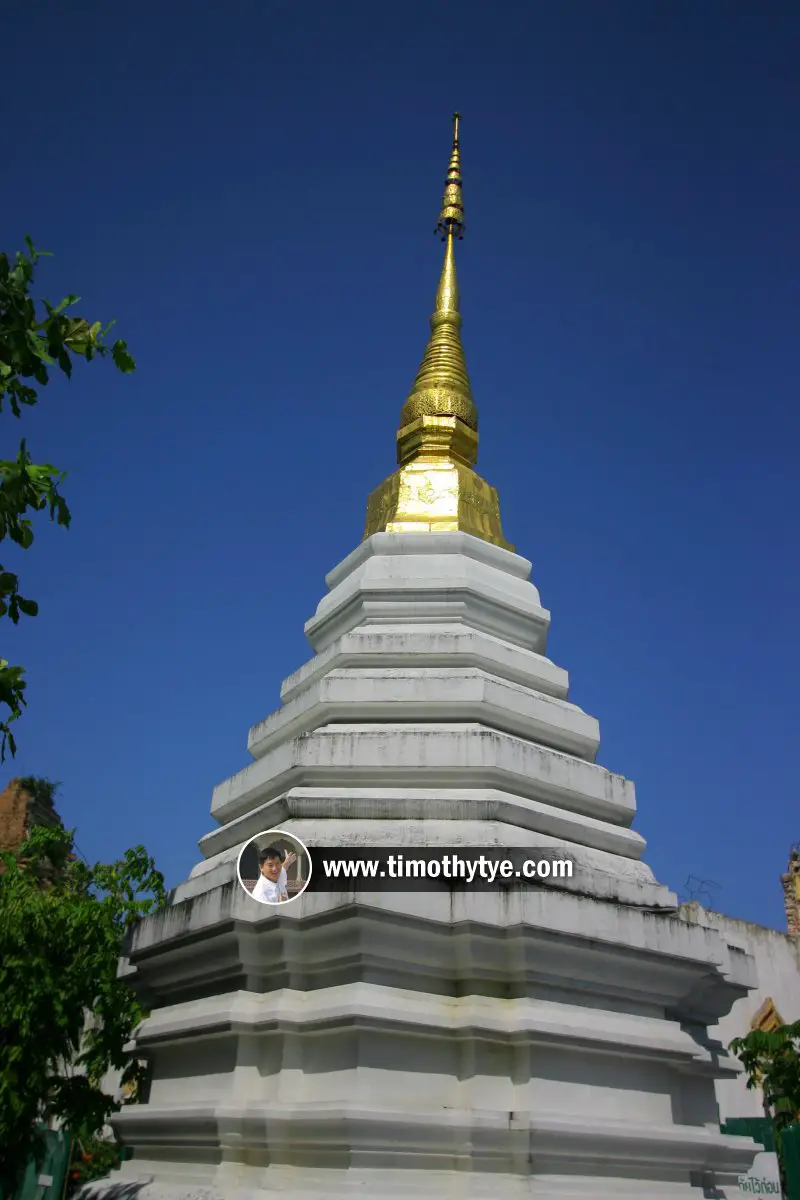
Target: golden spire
{"points": [[442, 386], [451, 218], [436, 489]]}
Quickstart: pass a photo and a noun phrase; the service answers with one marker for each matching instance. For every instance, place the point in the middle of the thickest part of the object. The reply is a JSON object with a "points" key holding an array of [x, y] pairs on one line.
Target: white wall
{"points": [[777, 957]]}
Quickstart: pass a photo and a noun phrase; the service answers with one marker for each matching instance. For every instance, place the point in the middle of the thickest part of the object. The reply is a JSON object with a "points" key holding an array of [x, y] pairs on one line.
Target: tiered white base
{"points": [[531, 1043], [535, 1041]]}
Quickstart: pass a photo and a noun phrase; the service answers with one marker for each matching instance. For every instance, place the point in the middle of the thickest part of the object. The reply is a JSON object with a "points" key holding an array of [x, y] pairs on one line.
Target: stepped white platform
{"points": [[497, 1045]]}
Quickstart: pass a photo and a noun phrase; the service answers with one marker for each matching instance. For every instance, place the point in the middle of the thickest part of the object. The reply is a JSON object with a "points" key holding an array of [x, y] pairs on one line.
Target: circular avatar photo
{"points": [[274, 867]]}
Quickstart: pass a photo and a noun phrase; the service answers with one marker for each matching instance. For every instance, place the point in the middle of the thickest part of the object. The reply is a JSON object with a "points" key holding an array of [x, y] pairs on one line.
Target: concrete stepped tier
{"points": [[491, 1045]]}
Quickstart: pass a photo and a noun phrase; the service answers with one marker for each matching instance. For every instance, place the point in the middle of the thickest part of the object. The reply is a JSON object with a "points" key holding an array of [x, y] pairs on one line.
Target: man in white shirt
{"points": [[271, 885]]}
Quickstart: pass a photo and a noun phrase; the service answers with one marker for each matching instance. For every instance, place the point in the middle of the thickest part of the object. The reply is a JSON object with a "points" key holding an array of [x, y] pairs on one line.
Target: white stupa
{"points": [[546, 1042]]}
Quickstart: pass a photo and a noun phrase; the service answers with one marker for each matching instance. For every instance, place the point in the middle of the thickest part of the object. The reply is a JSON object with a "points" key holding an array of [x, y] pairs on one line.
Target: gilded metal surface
{"points": [[436, 497], [437, 443], [767, 1019], [451, 218], [442, 386], [441, 437]]}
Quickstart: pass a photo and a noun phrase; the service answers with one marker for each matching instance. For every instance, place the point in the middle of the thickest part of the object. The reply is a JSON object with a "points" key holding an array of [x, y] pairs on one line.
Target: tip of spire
{"points": [[451, 217]]}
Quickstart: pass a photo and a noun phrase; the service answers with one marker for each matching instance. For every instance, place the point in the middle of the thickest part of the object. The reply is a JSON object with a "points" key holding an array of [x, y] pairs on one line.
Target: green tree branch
{"points": [[32, 343]]}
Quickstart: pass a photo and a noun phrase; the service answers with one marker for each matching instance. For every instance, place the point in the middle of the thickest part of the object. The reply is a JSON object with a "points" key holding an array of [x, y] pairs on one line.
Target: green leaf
{"points": [[63, 515], [25, 535], [29, 607], [122, 358], [67, 302], [34, 253], [7, 742]]}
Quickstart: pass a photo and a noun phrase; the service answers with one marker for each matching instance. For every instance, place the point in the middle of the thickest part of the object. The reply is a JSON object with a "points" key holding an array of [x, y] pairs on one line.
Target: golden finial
{"points": [[442, 387], [437, 442], [451, 218]]}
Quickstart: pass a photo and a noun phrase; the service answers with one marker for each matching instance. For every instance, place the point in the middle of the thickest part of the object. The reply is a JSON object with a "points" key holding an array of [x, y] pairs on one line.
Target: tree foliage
{"points": [[32, 342], [771, 1061], [43, 791], [63, 926], [92, 1158]]}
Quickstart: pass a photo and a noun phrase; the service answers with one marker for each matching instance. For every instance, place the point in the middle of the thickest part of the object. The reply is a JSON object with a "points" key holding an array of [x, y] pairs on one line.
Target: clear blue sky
{"points": [[250, 188]]}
